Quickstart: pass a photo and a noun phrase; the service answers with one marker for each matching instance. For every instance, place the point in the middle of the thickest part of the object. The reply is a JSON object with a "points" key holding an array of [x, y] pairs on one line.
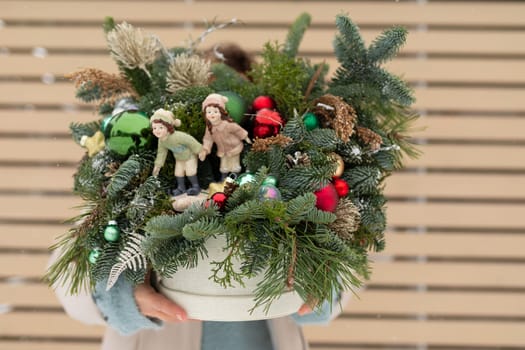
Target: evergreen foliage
{"points": [[295, 34], [289, 239]]}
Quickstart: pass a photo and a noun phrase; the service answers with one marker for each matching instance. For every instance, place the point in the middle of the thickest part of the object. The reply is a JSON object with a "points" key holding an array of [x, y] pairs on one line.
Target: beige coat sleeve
{"points": [[80, 307]]}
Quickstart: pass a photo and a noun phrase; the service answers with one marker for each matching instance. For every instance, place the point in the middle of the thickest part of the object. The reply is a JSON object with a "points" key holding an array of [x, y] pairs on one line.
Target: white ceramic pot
{"points": [[203, 299]]}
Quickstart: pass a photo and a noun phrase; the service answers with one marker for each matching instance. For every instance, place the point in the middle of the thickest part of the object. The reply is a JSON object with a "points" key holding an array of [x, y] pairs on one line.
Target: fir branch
{"points": [[363, 179], [348, 45], [125, 174], [295, 34], [202, 229], [387, 44]]}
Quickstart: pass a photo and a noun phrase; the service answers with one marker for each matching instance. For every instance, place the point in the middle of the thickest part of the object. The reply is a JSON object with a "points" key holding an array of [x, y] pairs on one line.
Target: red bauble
{"points": [[341, 186], [263, 102], [219, 198], [263, 131], [267, 123], [327, 198]]}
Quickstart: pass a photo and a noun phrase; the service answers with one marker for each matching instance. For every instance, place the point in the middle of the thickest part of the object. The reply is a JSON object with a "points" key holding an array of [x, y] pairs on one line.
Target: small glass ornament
{"points": [[219, 199], [310, 121], [93, 255], [270, 180], [245, 178], [112, 231], [269, 192], [341, 187]]}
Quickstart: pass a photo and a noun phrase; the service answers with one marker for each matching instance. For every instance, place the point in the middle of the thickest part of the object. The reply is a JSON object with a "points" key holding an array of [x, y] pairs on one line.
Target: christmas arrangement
{"points": [[283, 163]]}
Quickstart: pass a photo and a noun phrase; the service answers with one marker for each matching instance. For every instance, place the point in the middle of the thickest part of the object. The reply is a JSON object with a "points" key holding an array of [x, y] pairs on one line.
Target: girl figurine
{"points": [[225, 133], [184, 147]]}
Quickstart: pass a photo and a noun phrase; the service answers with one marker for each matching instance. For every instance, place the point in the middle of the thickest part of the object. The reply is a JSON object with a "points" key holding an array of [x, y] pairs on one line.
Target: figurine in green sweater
{"points": [[184, 147]]}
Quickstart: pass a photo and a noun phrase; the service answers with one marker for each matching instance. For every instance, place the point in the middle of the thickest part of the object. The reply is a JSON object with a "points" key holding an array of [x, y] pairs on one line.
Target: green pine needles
{"points": [[311, 205]]}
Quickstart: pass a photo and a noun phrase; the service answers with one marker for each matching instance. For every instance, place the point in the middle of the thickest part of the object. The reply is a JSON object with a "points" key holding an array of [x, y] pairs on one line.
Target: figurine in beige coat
{"points": [[222, 131]]}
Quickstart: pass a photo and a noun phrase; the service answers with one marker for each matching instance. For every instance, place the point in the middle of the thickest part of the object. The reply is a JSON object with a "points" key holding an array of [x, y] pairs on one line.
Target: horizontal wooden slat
{"points": [[443, 245], [436, 304], [254, 38], [48, 324], [35, 207], [30, 236], [384, 272], [449, 156], [469, 156], [455, 215], [51, 150], [411, 214], [49, 345], [421, 185], [433, 127], [448, 274], [453, 333], [49, 122], [36, 179], [412, 69], [362, 11], [433, 98], [28, 295], [382, 302], [463, 186], [478, 128]]}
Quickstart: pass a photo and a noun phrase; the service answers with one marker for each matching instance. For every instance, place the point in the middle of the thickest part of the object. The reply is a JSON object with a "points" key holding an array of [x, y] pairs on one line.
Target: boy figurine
{"points": [[184, 147]]}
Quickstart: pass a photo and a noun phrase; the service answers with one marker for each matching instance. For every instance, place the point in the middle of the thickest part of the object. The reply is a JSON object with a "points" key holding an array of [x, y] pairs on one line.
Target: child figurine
{"points": [[184, 147], [225, 133]]}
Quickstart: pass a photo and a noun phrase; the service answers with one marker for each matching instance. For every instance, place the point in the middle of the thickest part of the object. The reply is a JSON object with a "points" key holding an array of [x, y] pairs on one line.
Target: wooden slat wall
{"points": [[452, 274]]}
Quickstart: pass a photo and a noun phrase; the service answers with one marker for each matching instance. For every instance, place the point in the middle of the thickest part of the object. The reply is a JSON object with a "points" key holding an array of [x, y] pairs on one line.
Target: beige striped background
{"points": [[453, 273]]}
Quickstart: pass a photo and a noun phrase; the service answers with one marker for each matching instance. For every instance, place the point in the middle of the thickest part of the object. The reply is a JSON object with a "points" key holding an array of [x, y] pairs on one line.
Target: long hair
{"points": [[224, 116]]}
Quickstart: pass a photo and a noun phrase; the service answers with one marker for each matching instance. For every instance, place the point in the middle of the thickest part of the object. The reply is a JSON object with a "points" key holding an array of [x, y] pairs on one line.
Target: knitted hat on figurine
{"points": [[215, 99], [165, 116]]}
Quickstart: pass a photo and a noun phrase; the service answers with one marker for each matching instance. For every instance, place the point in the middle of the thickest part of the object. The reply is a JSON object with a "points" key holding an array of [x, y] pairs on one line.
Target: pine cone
{"points": [[369, 137], [334, 113]]}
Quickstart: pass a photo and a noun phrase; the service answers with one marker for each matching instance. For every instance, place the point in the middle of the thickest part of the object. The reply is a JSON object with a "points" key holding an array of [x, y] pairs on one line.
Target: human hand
{"points": [[153, 304], [202, 155], [304, 310]]}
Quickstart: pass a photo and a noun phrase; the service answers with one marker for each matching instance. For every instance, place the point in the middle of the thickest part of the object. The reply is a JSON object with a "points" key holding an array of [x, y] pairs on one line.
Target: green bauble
{"points": [[236, 106], [310, 121], [270, 180], [126, 132], [93, 255], [245, 178], [112, 232]]}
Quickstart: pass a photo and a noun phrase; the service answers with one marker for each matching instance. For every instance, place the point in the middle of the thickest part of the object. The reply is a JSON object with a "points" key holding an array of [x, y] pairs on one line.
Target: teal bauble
{"points": [[93, 255], [269, 192], [112, 232], [270, 180], [236, 106], [310, 121], [245, 178], [126, 132]]}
